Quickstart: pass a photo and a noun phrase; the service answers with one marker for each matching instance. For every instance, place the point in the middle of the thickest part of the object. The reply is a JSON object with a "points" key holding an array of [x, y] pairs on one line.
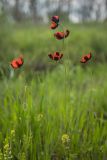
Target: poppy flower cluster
{"points": [[56, 56], [58, 35], [62, 35]]}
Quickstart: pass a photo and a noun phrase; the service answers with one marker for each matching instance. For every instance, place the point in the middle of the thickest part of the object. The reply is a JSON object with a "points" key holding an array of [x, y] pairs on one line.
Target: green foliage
{"points": [[60, 114]]}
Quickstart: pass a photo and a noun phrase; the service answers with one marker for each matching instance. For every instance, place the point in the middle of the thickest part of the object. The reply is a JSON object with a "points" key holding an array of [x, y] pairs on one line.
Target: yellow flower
{"points": [[65, 138], [7, 154], [39, 117], [6, 146], [13, 133]]}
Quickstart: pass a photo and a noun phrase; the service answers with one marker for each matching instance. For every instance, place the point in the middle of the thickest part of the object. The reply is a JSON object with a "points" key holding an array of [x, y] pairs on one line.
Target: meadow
{"points": [[53, 110]]}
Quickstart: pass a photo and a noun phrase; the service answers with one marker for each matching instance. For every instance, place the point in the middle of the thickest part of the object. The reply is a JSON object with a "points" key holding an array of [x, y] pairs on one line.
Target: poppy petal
{"points": [[85, 58], [61, 56], [55, 56], [50, 55], [89, 55], [16, 63], [67, 33], [56, 53], [55, 19], [53, 25], [59, 35]]}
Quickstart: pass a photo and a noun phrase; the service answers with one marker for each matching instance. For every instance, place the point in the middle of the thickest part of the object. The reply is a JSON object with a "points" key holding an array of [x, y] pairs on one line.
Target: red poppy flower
{"points": [[17, 63], [55, 19], [86, 58], [54, 25], [56, 56], [61, 35]]}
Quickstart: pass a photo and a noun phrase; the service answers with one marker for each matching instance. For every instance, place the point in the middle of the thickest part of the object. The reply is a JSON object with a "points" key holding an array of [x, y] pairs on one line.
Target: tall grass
{"points": [[35, 121]]}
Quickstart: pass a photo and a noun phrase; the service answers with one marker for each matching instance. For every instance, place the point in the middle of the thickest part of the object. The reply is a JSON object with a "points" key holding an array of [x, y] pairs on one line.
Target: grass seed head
{"points": [[65, 138]]}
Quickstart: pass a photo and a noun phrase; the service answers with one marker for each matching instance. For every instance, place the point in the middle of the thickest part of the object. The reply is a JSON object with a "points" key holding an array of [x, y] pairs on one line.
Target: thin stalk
{"points": [[63, 44]]}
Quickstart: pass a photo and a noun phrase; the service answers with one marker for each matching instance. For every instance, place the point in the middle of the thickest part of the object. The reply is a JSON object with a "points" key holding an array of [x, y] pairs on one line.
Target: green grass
{"points": [[38, 108]]}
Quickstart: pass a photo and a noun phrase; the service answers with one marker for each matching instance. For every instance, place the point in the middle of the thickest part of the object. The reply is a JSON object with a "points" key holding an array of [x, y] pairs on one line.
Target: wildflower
{"points": [[12, 133], [7, 151], [53, 25], [56, 56], [55, 22], [39, 117], [65, 138], [55, 19], [86, 58], [62, 35], [6, 146], [17, 63]]}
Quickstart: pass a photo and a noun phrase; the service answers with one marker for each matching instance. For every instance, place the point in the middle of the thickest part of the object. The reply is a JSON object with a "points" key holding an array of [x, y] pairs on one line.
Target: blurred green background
{"points": [[53, 110]]}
